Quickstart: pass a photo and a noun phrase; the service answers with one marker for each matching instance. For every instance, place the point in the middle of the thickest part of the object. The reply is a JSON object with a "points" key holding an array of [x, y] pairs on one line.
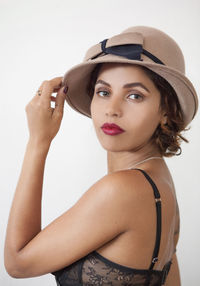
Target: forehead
{"points": [[125, 65], [122, 69], [121, 73]]}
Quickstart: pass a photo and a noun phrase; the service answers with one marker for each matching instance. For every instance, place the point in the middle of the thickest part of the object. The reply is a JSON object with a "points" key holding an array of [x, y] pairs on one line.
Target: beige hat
{"points": [[145, 46]]}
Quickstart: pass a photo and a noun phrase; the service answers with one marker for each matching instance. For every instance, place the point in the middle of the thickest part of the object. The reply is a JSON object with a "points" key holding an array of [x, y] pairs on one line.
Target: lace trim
{"points": [[96, 270]]}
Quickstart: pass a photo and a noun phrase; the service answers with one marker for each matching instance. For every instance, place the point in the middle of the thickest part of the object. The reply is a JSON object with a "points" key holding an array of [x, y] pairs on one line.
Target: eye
{"points": [[102, 91], [136, 96]]}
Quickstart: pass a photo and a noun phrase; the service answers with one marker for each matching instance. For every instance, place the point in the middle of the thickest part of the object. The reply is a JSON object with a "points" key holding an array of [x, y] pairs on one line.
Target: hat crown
{"points": [[152, 40], [160, 45]]}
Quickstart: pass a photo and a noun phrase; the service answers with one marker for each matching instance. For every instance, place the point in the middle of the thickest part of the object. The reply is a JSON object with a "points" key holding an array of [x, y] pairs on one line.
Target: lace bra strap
{"points": [[159, 218]]}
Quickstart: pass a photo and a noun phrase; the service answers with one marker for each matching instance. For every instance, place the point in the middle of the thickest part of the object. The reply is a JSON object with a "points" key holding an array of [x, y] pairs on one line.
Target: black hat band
{"points": [[129, 51]]}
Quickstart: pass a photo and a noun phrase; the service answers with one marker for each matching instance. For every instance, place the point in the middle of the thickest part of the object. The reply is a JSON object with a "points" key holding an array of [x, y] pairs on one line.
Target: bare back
{"points": [[134, 247]]}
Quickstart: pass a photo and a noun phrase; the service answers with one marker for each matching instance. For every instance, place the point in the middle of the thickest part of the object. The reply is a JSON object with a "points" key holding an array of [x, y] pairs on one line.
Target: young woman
{"points": [[124, 229]]}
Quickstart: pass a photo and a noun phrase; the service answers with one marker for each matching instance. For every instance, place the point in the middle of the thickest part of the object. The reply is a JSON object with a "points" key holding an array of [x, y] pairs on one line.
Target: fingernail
{"points": [[65, 89]]}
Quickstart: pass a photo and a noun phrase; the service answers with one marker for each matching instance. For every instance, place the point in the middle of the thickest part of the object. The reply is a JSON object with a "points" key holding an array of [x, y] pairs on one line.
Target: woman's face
{"points": [[134, 108]]}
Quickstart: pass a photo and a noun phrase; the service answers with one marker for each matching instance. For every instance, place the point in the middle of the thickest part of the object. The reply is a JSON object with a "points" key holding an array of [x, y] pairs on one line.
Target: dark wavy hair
{"points": [[167, 136]]}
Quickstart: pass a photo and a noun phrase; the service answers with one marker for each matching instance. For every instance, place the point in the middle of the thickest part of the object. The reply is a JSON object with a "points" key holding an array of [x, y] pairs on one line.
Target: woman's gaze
{"points": [[133, 94]]}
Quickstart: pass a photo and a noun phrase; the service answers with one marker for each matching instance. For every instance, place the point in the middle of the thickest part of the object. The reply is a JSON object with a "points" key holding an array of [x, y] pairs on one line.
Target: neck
{"points": [[127, 160]]}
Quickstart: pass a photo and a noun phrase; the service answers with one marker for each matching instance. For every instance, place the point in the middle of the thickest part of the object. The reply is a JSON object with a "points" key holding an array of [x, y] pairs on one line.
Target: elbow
{"points": [[13, 268], [16, 272], [17, 269], [13, 271]]}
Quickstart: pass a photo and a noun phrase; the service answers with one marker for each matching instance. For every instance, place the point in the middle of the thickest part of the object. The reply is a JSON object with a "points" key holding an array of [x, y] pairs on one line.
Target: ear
{"points": [[164, 119]]}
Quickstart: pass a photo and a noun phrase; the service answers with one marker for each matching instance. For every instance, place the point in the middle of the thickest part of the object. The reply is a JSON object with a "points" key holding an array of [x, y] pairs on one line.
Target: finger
{"points": [[59, 101], [37, 95], [53, 98], [47, 88]]}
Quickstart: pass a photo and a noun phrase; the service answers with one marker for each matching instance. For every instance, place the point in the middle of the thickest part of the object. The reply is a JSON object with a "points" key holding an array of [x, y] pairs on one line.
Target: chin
{"points": [[118, 143], [113, 145], [112, 148]]}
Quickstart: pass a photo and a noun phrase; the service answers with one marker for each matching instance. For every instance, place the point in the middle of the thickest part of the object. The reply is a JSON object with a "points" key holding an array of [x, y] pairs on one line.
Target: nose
{"points": [[113, 107]]}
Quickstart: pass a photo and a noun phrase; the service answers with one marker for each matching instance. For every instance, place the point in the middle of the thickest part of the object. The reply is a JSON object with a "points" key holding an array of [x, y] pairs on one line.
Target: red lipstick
{"points": [[111, 129]]}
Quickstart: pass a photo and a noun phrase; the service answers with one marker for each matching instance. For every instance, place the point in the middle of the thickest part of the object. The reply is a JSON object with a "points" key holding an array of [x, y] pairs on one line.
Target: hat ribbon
{"points": [[129, 51]]}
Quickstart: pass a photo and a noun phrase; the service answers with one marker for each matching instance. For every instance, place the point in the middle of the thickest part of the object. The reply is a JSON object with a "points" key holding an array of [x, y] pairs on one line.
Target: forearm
{"points": [[25, 214]]}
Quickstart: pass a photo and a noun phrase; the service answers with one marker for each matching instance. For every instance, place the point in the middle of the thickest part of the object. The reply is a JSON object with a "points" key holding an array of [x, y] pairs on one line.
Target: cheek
{"points": [[144, 121], [96, 109], [95, 113], [92, 110]]}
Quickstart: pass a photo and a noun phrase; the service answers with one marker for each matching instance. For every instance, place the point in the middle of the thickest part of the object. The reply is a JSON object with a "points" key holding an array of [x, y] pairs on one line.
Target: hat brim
{"points": [[77, 79]]}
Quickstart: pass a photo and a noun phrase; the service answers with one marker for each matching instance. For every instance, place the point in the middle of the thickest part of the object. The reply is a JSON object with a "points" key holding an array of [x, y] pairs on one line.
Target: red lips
{"points": [[111, 129]]}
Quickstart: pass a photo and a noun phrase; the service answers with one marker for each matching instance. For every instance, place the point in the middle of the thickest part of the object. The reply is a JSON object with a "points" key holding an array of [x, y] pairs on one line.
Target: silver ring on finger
{"points": [[39, 92]]}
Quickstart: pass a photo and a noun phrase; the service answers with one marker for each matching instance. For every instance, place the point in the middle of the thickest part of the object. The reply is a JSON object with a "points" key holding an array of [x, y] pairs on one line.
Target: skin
{"points": [[31, 251], [117, 104], [113, 103]]}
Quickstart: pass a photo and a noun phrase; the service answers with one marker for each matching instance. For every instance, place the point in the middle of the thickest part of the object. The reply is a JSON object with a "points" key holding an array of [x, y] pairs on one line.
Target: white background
{"points": [[40, 40]]}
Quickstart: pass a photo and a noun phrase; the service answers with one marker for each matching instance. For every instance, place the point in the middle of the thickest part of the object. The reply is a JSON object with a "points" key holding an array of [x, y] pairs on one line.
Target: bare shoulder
{"points": [[122, 188], [133, 182], [119, 183], [119, 191], [132, 188]]}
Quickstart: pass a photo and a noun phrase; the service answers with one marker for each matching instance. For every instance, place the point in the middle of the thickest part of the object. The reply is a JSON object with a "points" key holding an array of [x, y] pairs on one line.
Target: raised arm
{"points": [[94, 220], [25, 215]]}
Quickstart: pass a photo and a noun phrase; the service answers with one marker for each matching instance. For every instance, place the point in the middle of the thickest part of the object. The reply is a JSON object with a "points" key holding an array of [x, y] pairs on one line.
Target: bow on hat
{"points": [[128, 45]]}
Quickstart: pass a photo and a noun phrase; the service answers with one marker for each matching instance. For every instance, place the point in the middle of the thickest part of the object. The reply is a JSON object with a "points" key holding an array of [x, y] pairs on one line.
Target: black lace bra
{"points": [[95, 269]]}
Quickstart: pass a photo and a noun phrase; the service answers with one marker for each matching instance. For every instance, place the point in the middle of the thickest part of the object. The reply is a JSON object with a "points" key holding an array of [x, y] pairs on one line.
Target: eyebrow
{"points": [[127, 85]]}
